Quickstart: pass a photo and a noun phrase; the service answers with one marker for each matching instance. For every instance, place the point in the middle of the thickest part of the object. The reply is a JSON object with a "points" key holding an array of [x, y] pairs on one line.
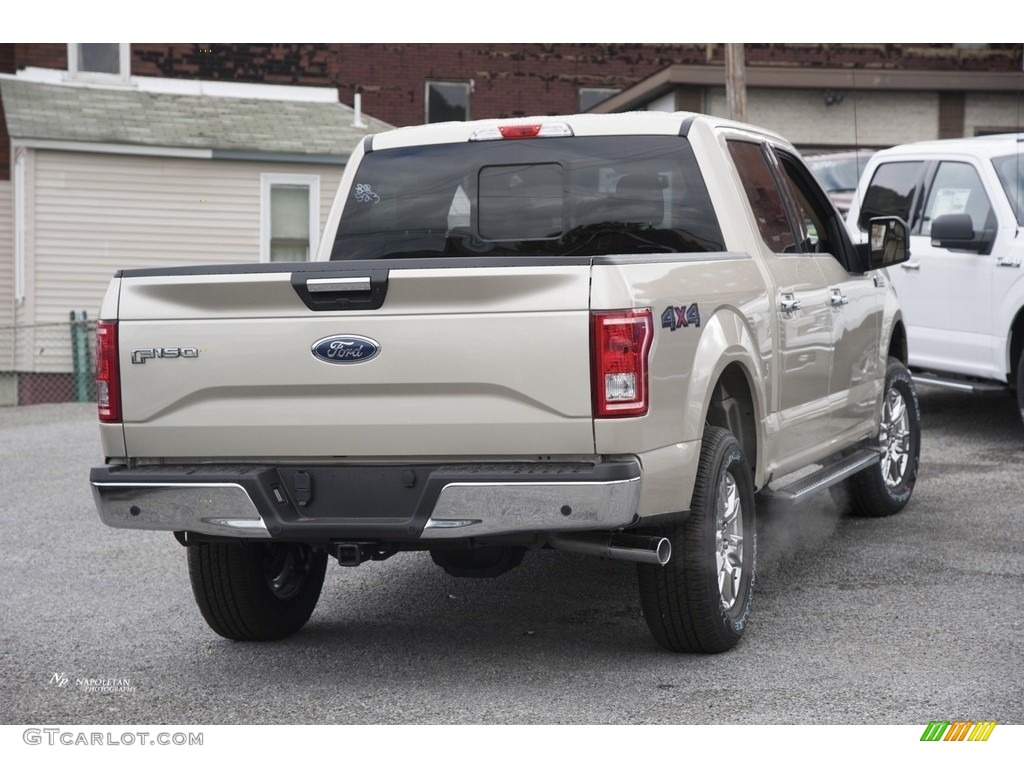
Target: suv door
{"points": [[855, 299], [799, 383], [942, 290]]}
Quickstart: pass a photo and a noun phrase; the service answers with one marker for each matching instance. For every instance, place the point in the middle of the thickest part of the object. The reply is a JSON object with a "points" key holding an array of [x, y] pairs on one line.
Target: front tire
{"points": [[1020, 386], [699, 602], [885, 488], [256, 591]]}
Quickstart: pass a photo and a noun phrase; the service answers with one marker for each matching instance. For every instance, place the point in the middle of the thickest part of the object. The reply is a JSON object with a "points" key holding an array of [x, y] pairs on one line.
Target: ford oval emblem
{"points": [[345, 349]]}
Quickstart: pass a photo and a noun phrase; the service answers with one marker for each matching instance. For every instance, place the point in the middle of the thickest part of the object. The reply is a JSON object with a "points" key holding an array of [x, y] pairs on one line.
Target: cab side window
{"points": [[891, 192], [957, 188], [764, 196], [815, 215]]}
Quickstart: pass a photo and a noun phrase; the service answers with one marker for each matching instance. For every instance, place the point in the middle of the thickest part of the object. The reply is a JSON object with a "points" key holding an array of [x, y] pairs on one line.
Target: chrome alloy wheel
{"points": [[729, 541], [894, 438]]}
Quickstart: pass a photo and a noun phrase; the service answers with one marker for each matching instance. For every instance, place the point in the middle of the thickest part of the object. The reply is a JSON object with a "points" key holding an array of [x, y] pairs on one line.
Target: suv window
{"points": [[579, 196], [891, 192], [815, 226], [957, 188], [764, 196], [1010, 170]]}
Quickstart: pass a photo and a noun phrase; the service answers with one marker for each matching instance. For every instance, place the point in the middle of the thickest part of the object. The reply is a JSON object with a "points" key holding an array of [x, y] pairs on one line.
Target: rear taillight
{"points": [[619, 346], [108, 373]]}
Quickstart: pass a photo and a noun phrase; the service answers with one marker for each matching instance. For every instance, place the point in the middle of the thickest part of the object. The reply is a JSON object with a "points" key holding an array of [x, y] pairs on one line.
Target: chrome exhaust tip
{"points": [[649, 550]]}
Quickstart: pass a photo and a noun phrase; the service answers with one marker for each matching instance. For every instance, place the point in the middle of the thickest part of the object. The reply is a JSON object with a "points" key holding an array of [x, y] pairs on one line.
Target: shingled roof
{"points": [[130, 116]]}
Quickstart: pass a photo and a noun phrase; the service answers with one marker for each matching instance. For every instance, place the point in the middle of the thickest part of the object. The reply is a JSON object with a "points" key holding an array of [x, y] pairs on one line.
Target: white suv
{"points": [[962, 291]]}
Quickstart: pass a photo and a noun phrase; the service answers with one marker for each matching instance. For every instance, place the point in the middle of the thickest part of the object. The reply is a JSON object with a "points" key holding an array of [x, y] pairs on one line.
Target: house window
{"points": [[592, 96], [448, 101], [100, 61], [289, 217]]}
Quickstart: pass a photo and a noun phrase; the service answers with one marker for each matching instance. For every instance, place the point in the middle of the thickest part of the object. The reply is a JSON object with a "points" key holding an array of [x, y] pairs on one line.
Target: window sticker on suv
{"points": [[956, 189]]}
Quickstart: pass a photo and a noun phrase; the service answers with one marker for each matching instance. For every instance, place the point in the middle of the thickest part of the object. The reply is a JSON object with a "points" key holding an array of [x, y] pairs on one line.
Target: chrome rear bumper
{"points": [[358, 503], [217, 509]]}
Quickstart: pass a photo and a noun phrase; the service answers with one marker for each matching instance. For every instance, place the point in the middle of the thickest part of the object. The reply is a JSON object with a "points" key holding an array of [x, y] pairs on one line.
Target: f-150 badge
{"points": [[345, 349], [680, 317], [140, 356]]}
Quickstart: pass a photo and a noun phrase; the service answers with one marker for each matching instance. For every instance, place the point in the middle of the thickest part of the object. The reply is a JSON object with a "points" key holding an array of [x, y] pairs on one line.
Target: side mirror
{"points": [[887, 243], [956, 231]]}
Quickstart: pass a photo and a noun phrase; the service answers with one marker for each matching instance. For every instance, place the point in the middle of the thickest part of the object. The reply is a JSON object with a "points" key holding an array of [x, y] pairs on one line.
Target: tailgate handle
{"points": [[338, 285], [357, 290]]}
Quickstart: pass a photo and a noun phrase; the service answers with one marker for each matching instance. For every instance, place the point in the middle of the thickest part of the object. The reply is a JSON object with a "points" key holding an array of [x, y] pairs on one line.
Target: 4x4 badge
{"points": [[680, 317]]}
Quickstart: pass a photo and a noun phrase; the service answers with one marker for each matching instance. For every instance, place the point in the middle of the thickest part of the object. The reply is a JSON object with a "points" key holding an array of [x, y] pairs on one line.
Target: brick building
{"points": [[405, 84], [122, 155]]}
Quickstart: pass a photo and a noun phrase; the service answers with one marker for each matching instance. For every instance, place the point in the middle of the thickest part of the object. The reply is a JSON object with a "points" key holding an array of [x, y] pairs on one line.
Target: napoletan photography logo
{"points": [[93, 684], [958, 730]]}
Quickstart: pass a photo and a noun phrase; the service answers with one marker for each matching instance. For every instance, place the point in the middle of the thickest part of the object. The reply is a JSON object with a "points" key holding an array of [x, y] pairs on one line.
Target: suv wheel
{"points": [[699, 602], [1020, 385], [256, 591], [885, 488]]}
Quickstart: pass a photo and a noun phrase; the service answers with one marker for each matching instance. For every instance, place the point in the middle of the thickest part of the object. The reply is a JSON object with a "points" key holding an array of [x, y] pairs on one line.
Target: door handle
{"points": [[836, 298], [911, 266], [789, 303], [1004, 262]]}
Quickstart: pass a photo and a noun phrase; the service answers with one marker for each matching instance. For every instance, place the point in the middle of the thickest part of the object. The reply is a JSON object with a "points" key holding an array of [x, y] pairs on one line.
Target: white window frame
{"points": [[312, 182], [124, 64]]}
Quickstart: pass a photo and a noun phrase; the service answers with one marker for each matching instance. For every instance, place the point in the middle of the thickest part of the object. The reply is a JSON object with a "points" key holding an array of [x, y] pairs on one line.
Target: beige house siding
{"points": [[93, 214], [6, 263], [7, 382]]}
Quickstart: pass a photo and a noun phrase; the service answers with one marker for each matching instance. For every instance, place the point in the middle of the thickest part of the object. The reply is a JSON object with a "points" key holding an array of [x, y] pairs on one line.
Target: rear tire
{"points": [[256, 591], [885, 488], [699, 602]]}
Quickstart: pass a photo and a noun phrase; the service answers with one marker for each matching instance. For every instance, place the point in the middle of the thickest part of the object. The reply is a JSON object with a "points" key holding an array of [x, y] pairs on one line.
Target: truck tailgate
{"points": [[472, 360]]}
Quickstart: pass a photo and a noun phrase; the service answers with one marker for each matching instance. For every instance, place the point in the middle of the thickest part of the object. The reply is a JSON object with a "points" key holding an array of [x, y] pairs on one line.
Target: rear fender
{"points": [[727, 341]]}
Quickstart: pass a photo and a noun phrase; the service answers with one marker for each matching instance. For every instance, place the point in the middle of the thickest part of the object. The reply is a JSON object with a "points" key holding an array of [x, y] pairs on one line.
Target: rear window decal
{"points": [[364, 194]]}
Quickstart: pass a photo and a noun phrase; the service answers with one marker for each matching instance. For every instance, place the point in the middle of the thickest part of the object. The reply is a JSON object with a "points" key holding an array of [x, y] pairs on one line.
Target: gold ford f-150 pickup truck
{"points": [[608, 334]]}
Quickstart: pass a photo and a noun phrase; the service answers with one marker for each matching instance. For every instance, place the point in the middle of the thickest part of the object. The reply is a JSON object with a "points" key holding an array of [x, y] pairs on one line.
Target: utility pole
{"points": [[736, 81]]}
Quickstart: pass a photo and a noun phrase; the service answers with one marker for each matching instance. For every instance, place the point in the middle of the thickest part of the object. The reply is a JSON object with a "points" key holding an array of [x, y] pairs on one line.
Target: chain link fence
{"points": [[48, 362]]}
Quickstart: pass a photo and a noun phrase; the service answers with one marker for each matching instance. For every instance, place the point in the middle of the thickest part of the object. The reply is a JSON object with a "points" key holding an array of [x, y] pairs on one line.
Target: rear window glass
{"points": [[520, 202], [580, 196]]}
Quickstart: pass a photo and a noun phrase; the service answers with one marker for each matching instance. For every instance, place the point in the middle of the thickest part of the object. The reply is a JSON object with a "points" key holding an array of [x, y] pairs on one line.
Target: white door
{"points": [[946, 294]]}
